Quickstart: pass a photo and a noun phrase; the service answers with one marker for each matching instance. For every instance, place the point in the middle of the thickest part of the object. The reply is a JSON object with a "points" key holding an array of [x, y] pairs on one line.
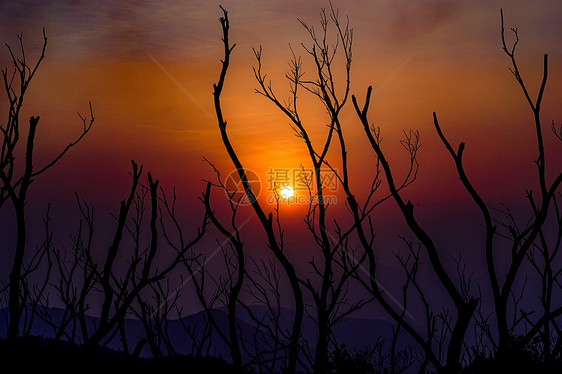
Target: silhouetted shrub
{"points": [[37, 354]]}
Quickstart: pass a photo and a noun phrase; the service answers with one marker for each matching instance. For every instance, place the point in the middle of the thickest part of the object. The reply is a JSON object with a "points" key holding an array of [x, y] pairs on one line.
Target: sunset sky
{"points": [[148, 69]]}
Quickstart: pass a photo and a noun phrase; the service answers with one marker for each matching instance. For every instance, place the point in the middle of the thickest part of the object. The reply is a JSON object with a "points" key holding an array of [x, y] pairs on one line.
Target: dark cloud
{"points": [[187, 29]]}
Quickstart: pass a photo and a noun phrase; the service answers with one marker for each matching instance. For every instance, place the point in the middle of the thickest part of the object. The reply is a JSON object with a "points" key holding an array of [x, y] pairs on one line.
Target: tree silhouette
{"points": [[230, 286], [143, 272], [509, 332], [522, 239], [15, 184], [275, 243], [227, 286], [443, 342], [330, 296]]}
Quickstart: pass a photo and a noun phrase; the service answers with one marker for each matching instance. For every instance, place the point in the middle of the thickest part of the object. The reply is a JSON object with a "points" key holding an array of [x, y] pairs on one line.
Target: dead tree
{"points": [[154, 313], [266, 220], [76, 272], [119, 294], [201, 341], [235, 266], [267, 346], [81, 280], [35, 293], [330, 295], [522, 240], [227, 286], [544, 258], [15, 185], [464, 306]]}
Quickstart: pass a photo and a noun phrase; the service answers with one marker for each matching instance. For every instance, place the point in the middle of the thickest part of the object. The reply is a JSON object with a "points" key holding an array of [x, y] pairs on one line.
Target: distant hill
{"points": [[355, 333]]}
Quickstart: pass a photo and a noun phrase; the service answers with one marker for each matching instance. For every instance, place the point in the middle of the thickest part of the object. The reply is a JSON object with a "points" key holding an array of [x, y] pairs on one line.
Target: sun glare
{"points": [[287, 192]]}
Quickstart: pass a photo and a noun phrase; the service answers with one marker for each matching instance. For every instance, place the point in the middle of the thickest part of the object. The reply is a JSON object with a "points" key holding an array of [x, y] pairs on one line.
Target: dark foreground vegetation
{"points": [[37, 354], [43, 354]]}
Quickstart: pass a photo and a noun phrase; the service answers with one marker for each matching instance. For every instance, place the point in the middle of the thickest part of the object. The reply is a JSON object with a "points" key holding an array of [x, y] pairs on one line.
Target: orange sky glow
{"points": [[148, 69]]}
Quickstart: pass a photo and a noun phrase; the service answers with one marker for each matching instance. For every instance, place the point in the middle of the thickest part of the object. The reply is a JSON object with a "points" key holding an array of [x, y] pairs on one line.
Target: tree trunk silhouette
{"points": [[266, 221], [330, 294], [14, 187]]}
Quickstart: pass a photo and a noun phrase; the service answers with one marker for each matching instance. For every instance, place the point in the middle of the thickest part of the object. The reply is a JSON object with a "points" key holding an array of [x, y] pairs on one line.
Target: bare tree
{"points": [[154, 313], [329, 296], [80, 279], [464, 306], [227, 285], [142, 272], [444, 339], [15, 185], [348, 254], [235, 266], [268, 344], [34, 292], [274, 242], [522, 239], [76, 272], [544, 258]]}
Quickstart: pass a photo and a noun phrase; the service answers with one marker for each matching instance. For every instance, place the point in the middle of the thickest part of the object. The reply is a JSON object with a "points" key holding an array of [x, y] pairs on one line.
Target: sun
{"points": [[287, 192]]}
